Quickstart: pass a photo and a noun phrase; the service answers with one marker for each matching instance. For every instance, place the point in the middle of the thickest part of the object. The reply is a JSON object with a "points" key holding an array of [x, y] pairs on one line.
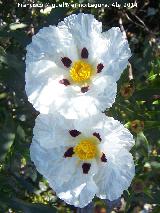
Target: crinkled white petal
{"points": [[118, 52], [80, 196], [77, 107], [104, 88], [52, 164], [52, 131], [90, 125], [79, 177], [80, 189], [51, 43], [81, 25], [54, 97], [116, 134], [112, 132], [38, 75], [49, 98], [86, 31], [116, 175]]}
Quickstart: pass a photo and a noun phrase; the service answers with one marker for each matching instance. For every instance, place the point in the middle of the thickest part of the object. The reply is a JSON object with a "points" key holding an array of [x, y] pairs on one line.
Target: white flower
{"points": [[73, 68], [83, 158]]}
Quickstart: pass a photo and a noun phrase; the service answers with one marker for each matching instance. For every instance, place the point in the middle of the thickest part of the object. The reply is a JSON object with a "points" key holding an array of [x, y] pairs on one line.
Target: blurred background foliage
{"points": [[137, 105]]}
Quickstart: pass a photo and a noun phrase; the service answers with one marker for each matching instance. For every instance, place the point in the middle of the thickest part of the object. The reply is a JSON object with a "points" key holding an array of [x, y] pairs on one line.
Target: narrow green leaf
{"points": [[142, 144], [7, 135], [146, 94]]}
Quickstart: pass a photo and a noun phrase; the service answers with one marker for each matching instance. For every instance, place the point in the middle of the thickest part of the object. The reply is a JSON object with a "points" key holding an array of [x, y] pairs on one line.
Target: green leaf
{"points": [[7, 134], [56, 15], [20, 36], [142, 144], [15, 26], [26, 207], [13, 71], [151, 124], [146, 94], [25, 184], [155, 165]]}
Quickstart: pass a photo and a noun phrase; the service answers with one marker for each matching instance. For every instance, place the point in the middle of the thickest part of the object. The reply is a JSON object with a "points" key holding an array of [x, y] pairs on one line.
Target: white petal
{"points": [[90, 124], [81, 25], [104, 89], [52, 164], [86, 31], [55, 97], [80, 189], [116, 135], [77, 107], [39, 73], [52, 130], [81, 196], [101, 95], [113, 134], [51, 43], [118, 52], [79, 177], [51, 97], [115, 175]]}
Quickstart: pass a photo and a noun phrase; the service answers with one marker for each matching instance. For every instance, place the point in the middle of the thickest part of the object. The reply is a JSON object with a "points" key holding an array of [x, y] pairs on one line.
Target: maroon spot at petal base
{"points": [[69, 152], [97, 135], [86, 167], [84, 53], [99, 68], [66, 62], [65, 82], [103, 158], [74, 133], [84, 89]]}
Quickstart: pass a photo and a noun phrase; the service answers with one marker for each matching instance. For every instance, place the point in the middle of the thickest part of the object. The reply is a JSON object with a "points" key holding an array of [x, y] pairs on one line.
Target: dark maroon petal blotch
{"points": [[86, 167], [74, 133], [100, 67], [66, 61], [69, 152], [84, 53]]}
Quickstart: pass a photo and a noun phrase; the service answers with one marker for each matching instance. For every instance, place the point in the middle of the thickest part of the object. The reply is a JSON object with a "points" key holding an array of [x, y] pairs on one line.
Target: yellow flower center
{"points": [[81, 71], [86, 149]]}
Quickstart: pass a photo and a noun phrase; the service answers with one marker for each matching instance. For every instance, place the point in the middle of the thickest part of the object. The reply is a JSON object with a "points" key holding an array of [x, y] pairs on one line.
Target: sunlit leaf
{"points": [[16, 26]]}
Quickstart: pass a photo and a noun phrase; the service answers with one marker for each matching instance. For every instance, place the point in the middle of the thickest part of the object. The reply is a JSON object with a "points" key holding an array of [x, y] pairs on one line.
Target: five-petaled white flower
{"points": [[84, 157], [73, 68]]}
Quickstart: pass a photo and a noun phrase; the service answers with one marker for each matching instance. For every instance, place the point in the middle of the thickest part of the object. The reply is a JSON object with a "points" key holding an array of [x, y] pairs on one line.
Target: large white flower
{"points": [[83, 158], [73, 68]]}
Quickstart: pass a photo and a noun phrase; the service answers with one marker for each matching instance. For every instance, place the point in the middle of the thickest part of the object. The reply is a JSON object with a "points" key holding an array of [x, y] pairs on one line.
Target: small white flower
{"points": [[73, 68], [83, 158]]}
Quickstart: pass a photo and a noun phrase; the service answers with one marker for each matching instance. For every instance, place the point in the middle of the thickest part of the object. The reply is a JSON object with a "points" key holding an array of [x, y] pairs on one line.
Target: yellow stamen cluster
{"points": [[81, 71], [86, 149]]}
